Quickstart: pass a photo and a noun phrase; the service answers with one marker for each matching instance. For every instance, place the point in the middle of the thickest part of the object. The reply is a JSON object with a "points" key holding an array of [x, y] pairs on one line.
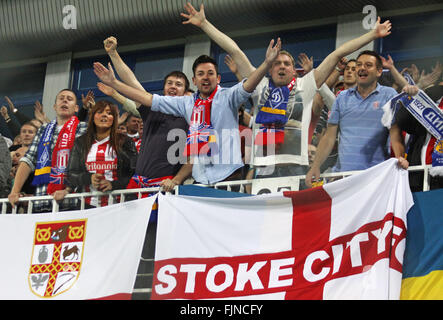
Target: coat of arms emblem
{"points": [[56, 257]]}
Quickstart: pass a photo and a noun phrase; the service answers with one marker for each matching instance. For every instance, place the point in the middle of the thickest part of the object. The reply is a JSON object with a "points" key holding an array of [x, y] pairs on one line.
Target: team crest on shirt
{"points": [[57, 256], [376, 105]]}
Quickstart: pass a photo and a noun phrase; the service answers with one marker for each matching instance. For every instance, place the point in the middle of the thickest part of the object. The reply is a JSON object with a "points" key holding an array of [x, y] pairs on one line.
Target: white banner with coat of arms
{"points": [[90, 254]]}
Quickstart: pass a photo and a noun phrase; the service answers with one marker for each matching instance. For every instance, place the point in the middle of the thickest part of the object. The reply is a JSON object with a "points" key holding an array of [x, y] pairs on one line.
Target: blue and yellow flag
{"points": [[423, 260]]}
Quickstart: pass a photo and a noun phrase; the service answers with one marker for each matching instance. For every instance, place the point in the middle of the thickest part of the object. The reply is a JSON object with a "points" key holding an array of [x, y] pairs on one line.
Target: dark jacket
{"points": [[78, 177], [5, 168]]}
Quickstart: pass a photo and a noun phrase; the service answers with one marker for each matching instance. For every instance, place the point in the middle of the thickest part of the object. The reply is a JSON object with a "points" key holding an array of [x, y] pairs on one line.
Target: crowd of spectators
{"points": [[291, 123]]}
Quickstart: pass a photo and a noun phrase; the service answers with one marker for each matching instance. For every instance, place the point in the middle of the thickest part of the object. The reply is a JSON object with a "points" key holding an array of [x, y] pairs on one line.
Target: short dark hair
{"points": [[178, 74], [131, 115], [29, 123], [351, 60], [379, 62], [204, 59], [75, 95]]}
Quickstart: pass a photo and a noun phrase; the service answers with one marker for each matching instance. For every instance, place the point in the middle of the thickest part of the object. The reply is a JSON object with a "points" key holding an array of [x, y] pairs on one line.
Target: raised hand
{"points": [[107, 76], [110, 44], [105, 89], [306, 63], [387, 63], [382, 29], [273, 51], [4, 112], [122, 118], [88, 101], [39, 113], [11, 104], [413, 72], [231, 64], [194, 17], [429, 79]]}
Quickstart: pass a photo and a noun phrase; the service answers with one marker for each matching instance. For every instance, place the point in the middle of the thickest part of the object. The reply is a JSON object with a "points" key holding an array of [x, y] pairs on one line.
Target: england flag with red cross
{"points": [[344, 240]]}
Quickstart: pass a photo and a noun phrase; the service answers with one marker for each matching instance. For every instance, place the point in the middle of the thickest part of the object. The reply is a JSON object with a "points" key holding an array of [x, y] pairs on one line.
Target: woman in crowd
{"points": [[102, 159]]}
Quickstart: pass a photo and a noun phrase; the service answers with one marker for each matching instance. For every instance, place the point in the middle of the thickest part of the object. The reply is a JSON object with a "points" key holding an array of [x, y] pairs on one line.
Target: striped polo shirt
{"points": [[363, 140]]}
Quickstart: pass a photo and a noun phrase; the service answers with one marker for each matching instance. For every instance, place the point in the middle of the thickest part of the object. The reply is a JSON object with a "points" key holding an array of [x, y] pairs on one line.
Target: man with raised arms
{"points": [[212, 112], [282, 126], [153, 166]]}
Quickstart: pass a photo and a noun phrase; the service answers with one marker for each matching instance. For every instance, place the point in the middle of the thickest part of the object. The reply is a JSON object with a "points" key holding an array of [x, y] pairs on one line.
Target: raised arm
{"points": [[233, 67], [128, 104], [198, 19], [255, 77], [398, 78], [323, 71], [107, 76], [123, 71]]}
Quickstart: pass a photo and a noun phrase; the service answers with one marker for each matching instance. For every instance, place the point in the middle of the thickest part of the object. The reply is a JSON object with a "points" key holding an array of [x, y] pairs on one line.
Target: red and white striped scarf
{"points": [[201, 138]]}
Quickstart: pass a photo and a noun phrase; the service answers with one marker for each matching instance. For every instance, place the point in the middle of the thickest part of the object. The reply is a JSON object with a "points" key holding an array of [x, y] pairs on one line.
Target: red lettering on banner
{"points": [[301, 273], [201, 278]]}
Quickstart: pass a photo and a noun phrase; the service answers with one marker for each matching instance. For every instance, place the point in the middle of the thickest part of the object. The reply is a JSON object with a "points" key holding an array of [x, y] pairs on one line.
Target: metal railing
{"points": [[242, 186]]}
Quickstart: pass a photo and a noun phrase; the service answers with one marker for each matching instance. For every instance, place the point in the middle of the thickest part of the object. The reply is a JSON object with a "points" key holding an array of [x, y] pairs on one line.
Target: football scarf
{"points": [[435, 155], [201, 138], [52, 170], [272, 115], [421, 107], [138, 182], [408, 78], [429, 115]]}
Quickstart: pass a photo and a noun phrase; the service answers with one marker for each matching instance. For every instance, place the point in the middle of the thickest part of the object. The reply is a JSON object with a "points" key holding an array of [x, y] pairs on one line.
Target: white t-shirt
{"points": [[299, 110]]}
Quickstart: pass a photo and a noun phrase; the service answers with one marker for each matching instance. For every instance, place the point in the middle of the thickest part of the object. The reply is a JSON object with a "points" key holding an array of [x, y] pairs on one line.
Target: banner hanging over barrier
{"points": [[344, 240], [90, 254], [423, 263]]}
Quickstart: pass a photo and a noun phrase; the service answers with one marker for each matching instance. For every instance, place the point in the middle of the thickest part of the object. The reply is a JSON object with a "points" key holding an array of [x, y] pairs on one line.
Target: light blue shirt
{"points": [[224, 119], [363, 140]]}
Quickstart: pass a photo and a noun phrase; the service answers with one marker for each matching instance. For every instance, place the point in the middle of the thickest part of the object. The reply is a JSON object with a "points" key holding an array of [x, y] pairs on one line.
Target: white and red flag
{"points": [[344, 240], [89, 254]]}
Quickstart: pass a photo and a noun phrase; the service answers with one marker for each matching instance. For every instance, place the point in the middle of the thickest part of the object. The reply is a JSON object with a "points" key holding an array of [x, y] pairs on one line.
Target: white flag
{"points": [[89, 254], [344, 240]]}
